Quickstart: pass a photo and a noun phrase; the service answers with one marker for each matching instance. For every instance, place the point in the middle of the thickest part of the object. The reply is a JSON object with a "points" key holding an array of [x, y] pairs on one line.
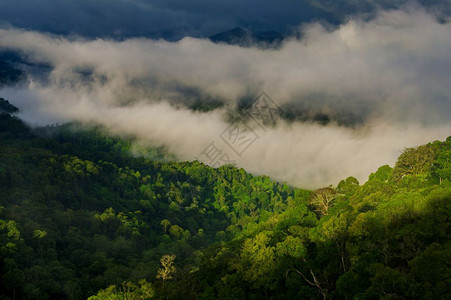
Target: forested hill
{"points": [[80, 213], [81, 216]]}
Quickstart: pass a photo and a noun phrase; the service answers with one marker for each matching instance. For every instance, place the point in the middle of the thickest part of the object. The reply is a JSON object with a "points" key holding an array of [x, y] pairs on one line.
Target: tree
{"points": [[348, 186], [258, 260], [168, 269], [322, 199], [165, 224], [176, 231], [414, 161]]}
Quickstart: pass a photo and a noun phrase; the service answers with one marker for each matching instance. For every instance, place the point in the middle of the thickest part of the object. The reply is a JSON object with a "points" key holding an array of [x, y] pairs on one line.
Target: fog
{"points": [[391, 73]]}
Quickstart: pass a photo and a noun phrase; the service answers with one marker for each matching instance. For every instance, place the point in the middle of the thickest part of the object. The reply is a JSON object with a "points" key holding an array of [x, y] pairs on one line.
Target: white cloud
{"points": [[393, 70]]}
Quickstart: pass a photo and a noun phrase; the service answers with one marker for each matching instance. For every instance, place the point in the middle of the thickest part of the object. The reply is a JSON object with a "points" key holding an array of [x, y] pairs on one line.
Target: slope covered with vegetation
{"points": [[81, 216]]}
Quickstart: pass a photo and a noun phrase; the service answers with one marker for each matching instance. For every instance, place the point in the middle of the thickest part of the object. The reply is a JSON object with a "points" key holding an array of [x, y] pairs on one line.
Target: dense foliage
{"points": [[388, 238], [81, 216]]}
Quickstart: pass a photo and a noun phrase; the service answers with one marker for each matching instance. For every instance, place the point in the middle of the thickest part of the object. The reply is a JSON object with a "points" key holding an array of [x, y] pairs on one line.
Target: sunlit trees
{"points": [[257, 260], [322, 199], [165, 224], [414, 161], [167, 270], [176, 231], [127, 290]]}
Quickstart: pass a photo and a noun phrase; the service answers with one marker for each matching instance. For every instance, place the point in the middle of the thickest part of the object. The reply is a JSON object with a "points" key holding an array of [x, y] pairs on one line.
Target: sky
{"points": [[132, 66], [174, 19]]}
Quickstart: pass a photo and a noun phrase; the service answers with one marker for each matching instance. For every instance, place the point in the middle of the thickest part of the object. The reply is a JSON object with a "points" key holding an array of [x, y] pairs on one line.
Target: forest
{"points": [[88, 215]]}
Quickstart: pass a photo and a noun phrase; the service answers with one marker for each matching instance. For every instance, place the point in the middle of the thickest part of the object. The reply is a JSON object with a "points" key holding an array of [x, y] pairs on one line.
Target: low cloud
{"points": [[391, 74]]}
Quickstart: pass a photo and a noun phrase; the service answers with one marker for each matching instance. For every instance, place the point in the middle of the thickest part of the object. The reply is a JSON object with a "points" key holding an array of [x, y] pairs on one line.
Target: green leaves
{"points": [[322, 199], [414, 161], [291, 247], [126, 291], [39, 234], [257, 260], [167, 270]]}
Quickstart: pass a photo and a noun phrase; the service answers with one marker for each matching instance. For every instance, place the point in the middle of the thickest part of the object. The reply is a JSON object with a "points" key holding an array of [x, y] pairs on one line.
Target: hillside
{"points": [[80, 213], [81, 216]]}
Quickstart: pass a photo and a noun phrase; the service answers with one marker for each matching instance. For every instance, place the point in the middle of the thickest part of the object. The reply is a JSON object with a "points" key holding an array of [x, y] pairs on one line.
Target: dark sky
{"points": [[173, 19]]}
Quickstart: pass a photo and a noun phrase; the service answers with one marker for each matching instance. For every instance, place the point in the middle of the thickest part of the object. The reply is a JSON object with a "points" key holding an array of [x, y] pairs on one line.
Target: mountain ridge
{"points": [[244, 37]]}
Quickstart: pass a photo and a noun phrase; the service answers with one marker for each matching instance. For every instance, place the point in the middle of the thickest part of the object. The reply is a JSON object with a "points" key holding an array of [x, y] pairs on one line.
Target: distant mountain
{"points": [[7, 107], [9, 74], [245, 38], [15, 68]]}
